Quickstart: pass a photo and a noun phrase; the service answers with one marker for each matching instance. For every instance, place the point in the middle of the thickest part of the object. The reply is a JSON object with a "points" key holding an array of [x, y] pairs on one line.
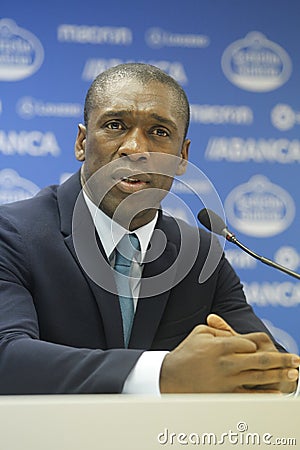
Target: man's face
{"points": [[130, 132]]}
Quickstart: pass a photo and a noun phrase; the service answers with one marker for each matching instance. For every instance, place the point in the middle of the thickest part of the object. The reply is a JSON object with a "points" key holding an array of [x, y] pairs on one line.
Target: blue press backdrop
{"points": [[239, 62]]}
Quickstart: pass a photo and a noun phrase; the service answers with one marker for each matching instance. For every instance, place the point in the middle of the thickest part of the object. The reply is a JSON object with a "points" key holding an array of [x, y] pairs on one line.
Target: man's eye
{"points": [[114, 126], [161, 132]]}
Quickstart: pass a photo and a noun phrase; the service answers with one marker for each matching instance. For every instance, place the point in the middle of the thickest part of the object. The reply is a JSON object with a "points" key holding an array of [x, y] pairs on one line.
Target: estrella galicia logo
{"points": [[256, 64], [259, 208], [14, 188], [21, 53]]}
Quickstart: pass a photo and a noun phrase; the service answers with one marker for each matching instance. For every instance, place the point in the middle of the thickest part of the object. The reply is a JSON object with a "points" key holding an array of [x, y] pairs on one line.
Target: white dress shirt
{"points": [[144, 377]]}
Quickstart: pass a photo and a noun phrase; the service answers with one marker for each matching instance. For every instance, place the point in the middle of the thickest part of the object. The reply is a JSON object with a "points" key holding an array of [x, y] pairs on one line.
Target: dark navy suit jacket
{"points": [[60, 332]]}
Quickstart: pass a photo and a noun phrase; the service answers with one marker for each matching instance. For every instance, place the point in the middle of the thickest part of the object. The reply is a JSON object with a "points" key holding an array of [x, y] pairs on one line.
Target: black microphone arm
{"points": [[215, 224]]}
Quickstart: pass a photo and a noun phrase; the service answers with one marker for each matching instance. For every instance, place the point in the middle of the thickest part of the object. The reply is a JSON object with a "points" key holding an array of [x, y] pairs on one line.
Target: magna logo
{"points": [[14, 188], [256, 64], [21, 53], [259, 208]]}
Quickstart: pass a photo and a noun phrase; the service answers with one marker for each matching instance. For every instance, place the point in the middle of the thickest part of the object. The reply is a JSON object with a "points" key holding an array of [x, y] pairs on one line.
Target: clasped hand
{"points": [[214, 358]]}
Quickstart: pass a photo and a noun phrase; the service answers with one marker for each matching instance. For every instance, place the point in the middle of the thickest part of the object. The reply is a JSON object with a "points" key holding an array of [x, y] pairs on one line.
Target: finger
{"points": [[266, 377], [262, 340], [206, 332], [234, 345], [266, 361], [202, 329], [217, 322], [265, 387], [257, 390], [220, 345]]}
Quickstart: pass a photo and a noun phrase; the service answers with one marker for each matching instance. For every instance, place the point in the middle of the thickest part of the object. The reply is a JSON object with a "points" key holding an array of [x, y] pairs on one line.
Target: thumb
{"points": [[215, 321]]}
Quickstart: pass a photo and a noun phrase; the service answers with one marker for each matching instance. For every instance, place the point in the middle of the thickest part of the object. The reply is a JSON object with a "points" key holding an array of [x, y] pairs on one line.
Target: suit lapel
{"points": [[107, 302], [87, 251], [160, 275]]}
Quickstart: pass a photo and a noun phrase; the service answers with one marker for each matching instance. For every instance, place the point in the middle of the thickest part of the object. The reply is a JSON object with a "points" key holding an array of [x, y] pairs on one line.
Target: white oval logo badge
{"points": [[256, 64], [259, 208], [14, 188], [21, 53]]}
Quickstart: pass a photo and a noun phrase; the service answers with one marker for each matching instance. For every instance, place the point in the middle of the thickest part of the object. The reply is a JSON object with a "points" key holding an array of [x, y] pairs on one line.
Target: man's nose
{"points": [[134, 146]]}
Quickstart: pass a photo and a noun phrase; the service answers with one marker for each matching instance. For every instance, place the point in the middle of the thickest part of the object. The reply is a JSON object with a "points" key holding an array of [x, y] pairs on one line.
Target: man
{"points": [[62, 326]]}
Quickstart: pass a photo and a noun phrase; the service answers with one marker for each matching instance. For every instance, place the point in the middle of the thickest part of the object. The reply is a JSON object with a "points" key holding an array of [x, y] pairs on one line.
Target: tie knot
{"points": [[127, 248]]}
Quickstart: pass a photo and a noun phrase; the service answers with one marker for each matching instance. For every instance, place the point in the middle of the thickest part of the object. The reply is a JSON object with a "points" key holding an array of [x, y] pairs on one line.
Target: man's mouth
{"points": [[130, 181]]}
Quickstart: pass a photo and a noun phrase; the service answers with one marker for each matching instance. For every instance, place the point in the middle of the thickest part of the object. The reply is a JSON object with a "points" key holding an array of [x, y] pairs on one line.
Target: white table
{"points": [[104, 422]]}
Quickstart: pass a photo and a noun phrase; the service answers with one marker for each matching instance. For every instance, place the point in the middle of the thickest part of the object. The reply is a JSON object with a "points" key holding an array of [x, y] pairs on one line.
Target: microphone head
{"points": [[210, 220]]}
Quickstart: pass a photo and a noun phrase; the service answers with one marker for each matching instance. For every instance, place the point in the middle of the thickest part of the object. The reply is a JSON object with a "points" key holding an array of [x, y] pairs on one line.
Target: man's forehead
{"points": [[131, 93], [124, 84]]}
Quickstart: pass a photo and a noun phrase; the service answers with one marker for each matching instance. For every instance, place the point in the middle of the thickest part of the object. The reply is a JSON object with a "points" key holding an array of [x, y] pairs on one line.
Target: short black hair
{"points": [[145, 73]]}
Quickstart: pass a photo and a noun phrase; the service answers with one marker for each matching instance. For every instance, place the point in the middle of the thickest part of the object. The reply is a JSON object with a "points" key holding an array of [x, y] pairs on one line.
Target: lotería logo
{"points": [[283, 117], [288, 256], [256, 64], [14, 188], [158, 38], [259, 208], [29, 107], [21, 53]]}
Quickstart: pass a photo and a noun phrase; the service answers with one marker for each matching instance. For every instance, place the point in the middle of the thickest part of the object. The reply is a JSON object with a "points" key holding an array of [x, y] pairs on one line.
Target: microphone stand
{"points": [[215, 224], [231, 238]]}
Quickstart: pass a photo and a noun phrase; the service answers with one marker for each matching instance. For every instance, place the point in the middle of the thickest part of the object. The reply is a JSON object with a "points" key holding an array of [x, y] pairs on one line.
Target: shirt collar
{"points": [[110, 232]]}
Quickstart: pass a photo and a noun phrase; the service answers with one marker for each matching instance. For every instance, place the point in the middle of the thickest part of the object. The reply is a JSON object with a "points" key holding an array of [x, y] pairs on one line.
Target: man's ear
{"points": [[80, 143], [184, 157]]}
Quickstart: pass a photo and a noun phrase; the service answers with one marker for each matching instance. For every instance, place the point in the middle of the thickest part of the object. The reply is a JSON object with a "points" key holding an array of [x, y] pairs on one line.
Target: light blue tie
{"points": [[125, 250]]}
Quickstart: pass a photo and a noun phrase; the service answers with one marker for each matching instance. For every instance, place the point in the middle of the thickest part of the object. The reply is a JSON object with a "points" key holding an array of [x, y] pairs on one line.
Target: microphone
{"points": [[214, 223]]}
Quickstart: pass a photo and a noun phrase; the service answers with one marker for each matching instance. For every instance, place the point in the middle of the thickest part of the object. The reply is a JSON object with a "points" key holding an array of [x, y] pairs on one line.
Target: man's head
{"points": [[134, 139]]}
